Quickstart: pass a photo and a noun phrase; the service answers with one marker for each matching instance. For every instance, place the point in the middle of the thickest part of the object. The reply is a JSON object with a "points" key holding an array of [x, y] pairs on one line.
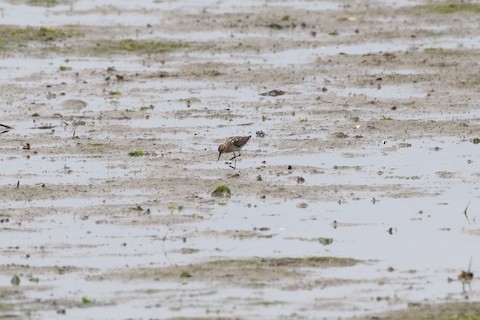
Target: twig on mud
{"points": [[7, 128], [163, 245], [465, 212]]}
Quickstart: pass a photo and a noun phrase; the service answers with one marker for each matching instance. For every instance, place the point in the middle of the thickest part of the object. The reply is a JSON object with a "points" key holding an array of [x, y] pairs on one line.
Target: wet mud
{"points": [[356, 196]]}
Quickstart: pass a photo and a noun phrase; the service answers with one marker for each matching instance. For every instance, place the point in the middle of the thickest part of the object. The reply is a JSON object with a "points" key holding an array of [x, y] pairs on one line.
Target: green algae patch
{"points": [[222, 190], [43, 3], [452, 7], [139, 153], [139, 46], [64, 68], [12, 35]]}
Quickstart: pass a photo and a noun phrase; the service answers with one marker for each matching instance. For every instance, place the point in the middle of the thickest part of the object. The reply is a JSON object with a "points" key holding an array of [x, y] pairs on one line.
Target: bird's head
{"points": [[221, 149]]}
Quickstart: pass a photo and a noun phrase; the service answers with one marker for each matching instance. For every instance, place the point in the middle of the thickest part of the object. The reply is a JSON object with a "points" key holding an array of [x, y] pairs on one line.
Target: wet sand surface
{"points": [[357, 198]]}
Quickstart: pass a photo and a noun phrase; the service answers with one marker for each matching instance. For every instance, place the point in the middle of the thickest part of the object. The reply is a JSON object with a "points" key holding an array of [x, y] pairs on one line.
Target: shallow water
{"points": [[97, 222]]}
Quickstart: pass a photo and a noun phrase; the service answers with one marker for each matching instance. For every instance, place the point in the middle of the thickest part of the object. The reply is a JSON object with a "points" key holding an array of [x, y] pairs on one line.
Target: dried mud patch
{"points": [[442, 311], [242, 272]]}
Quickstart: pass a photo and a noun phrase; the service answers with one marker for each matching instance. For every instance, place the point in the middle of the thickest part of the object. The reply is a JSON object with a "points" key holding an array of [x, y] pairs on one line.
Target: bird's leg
{"points": [[235, 164], [234, 156]]}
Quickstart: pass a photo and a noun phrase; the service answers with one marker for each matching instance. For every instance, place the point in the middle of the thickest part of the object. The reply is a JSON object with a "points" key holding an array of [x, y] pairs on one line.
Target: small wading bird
{"points": [[465, 277], [233, 144]]}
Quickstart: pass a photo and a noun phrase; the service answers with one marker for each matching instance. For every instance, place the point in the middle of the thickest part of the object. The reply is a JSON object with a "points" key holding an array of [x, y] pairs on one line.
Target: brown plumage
{"points": [[232, 144]]}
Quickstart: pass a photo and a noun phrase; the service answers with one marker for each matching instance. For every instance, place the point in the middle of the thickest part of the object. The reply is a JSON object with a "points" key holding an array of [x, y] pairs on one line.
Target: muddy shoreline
{"points": [[358, 202]]}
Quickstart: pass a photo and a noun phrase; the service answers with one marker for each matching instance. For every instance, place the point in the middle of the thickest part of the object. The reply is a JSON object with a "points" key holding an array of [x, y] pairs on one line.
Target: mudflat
{"points": [[356, 196]]}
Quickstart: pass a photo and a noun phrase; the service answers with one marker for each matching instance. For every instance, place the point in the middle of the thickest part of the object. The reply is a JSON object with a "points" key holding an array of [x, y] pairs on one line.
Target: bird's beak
{"points": [[219, 154]]}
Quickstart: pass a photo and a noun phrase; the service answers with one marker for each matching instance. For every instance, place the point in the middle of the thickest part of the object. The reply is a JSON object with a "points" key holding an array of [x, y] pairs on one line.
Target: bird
{"points": [[233, 144]]}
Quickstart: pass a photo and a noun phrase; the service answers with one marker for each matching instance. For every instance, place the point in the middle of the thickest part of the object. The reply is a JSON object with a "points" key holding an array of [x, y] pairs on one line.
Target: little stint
{"points": [[233, 144]]}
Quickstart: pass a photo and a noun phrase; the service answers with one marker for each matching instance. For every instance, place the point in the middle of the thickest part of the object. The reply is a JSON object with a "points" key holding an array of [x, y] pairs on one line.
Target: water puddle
{"points": [[19, 68], [49, 170], [126, 12], [77, 13], [308, 55], [424, 163], [447, 43], [73, 202], [290, 227]]}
